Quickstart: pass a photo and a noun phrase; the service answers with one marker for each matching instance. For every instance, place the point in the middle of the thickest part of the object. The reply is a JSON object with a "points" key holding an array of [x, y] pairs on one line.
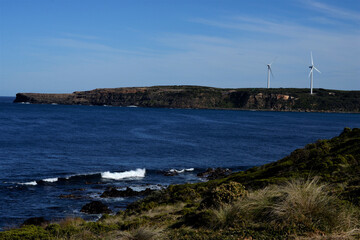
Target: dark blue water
{"points": [[75, 146]]}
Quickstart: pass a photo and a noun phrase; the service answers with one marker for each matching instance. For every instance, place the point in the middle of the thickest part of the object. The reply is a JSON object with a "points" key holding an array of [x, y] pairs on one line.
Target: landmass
{"points": [[198, 97], [314, 193]]}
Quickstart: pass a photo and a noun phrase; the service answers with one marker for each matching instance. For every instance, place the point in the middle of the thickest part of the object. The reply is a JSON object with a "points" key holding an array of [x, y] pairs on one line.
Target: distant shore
{"points": [[198, 97]]}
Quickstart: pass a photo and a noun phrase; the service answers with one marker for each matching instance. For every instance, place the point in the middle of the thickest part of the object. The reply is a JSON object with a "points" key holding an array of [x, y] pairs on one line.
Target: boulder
{"points": [[95, 207], [128, 192], [37, 221], [212, 173]]}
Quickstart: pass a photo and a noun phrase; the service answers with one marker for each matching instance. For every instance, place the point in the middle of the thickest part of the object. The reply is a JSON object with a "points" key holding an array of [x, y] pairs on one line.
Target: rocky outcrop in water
{"points": [[128, 192], [277, 99], [215, 173]]}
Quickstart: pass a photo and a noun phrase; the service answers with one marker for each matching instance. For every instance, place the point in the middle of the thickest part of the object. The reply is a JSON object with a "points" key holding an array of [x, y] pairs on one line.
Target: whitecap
{"points": [[177, 171], [142, 188], [182, 170], [32, 183], [138, 173], [50, 179]]}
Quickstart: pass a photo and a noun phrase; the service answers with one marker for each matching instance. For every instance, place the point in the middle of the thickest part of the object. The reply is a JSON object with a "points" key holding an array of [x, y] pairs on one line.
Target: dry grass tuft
{"points": [[308, 204], [70, 221], [226, 216], [141, 233]]}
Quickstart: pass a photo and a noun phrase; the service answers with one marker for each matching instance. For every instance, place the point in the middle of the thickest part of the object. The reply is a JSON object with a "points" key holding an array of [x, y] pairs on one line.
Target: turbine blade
{"points": [[273, 61], [271, 72], [312, 61], [317, 70], [310, 72]]}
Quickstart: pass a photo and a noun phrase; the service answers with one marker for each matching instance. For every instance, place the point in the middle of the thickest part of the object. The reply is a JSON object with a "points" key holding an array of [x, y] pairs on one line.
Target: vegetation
{"points": [[311, 194]]}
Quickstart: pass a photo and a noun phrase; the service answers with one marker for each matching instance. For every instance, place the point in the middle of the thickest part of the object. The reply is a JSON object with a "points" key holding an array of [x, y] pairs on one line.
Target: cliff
{"points": [[283, 99]]}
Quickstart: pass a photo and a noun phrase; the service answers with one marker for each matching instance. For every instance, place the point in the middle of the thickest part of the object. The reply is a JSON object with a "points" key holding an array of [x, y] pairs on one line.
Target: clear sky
{"points": [[61, 46]]}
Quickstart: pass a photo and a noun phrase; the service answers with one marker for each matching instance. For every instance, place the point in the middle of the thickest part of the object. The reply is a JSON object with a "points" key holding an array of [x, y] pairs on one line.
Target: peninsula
{"points": [[274, 99]]}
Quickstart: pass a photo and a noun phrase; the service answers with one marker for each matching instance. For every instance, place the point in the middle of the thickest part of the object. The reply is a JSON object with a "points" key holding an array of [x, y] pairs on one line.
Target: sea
{"points": [[48, 151]]}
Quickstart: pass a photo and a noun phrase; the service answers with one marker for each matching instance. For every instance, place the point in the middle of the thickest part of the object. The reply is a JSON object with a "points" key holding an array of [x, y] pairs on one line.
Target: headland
{"points": [[199, 97]]}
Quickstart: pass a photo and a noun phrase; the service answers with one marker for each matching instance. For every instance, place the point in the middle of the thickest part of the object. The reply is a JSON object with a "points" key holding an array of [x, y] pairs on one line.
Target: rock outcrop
{"points": [[95, 207], [128, 192], [280, 99]]}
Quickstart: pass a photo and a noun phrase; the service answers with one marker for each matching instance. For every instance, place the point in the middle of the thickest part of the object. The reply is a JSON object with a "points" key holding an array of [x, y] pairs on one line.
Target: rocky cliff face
{"points": [[206, 97]]}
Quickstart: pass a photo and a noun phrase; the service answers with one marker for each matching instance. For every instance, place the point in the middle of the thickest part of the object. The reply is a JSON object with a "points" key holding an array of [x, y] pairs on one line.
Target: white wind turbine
{"points": [[312, 67], [269, 72]]}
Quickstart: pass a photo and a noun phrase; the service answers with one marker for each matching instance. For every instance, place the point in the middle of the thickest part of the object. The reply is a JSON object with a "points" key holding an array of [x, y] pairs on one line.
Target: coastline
{"points": [[191, 211]]}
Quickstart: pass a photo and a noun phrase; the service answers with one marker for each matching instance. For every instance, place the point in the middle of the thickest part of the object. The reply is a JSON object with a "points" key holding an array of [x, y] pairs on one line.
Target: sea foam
{"points": [[182, 170], [32, 183], [50, 179], [138, 173]]}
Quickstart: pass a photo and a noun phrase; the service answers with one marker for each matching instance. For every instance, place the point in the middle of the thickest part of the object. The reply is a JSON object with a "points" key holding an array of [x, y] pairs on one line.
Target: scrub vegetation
{"points": [[314, 193]]}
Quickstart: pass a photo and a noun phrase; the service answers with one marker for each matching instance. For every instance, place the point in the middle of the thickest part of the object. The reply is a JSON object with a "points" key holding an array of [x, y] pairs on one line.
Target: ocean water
{"points": [[50, 150]]}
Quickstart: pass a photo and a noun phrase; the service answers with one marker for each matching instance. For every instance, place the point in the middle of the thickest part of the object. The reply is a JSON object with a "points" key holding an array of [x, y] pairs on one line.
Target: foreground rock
{"points": [[113, 193], [95, 207], [37, 221], [216, 173]]}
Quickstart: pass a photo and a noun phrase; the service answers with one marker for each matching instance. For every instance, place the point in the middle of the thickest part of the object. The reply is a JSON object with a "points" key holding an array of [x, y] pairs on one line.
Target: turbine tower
{"points": [[269, 72], [312, 67]]}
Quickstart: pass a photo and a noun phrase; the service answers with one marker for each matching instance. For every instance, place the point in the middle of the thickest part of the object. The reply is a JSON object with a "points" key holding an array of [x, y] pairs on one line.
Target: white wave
{"points": [[54, 104], [132, 106], [50, 179], [142, 188], [32, 183], [177, 171], [81, 174], [138, 173], [182, 170]]}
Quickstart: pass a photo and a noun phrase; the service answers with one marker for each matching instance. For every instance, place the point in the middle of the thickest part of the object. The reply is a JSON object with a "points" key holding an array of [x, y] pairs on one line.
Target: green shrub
{"points": [[224, 194], [29, 232]]}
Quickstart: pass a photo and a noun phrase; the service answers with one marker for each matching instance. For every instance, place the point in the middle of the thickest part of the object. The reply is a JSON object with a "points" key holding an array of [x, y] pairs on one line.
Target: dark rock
{"points": [[77, 189], [70, 196], [170, 173], [128, 192], [95, 207], [37, 221], [212, 173]]}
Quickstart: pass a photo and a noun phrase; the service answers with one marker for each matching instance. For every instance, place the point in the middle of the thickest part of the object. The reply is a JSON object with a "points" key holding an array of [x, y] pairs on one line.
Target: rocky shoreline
{"points": [[198, 97], [98, 207], [313, 193]]}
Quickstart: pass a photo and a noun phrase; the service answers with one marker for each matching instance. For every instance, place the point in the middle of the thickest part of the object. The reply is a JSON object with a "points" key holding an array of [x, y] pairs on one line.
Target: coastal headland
{"points": [[199, 97]]}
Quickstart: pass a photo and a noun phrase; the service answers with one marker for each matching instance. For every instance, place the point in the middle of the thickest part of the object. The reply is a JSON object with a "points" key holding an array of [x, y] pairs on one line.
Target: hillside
{"points": [[277, 99], [314, 193]]}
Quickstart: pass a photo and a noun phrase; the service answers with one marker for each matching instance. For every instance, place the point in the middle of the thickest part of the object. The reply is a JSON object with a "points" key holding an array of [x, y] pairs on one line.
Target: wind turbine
{"points": [[269, 72], [312, 67]]}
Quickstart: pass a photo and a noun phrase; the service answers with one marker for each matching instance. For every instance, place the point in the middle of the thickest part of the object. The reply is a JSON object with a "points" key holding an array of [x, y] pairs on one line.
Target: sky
{"points": [[61, 46]]}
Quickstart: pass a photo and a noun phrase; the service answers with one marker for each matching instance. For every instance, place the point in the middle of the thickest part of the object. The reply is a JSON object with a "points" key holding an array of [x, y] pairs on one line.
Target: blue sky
{"points": [[68, 45]]}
